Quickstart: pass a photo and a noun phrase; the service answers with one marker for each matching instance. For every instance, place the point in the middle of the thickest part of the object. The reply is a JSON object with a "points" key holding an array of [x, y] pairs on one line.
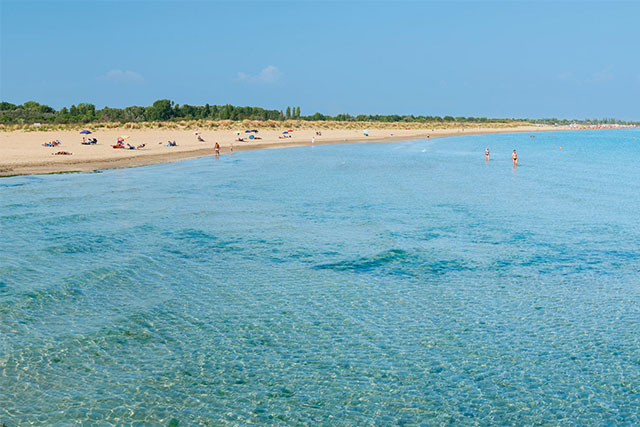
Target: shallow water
{"points": [[405, 283]]}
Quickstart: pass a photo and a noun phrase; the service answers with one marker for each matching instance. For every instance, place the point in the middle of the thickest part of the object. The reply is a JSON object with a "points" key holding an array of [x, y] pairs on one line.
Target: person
{"points": [[313, 141], [217, 149], [514, 158], [486, 154], [230, 149]]}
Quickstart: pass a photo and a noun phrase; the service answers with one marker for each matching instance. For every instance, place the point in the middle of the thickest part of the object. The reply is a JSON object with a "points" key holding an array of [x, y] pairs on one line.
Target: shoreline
{"points": [[115, 159]]}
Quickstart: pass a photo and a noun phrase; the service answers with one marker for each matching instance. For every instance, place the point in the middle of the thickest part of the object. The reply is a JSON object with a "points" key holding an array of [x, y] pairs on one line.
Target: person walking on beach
{"points": [[217, 149], [514, 158], [486, 154]]}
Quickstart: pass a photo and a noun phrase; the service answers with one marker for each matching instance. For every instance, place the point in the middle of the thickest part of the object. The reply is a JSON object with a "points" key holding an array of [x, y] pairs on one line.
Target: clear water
{"points": [[405, 283]]}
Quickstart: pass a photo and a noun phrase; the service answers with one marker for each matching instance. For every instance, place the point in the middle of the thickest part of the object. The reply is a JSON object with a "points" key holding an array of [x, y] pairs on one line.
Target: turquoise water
{"points": [[405, 283]]}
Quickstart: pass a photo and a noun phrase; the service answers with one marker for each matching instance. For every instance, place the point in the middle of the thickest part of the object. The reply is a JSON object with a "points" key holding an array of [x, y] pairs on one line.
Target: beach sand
{"points": [[22, 152]]}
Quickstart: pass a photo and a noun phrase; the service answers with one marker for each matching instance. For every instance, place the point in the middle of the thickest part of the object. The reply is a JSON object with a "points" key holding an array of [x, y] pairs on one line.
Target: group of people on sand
{"points": [[121, 145], [55, 143], [52, 143], [90, 141], [514, 157]]}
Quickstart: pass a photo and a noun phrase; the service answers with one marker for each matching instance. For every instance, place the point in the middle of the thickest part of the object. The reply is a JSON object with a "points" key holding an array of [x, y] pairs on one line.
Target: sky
{"points": [[486, 59]]}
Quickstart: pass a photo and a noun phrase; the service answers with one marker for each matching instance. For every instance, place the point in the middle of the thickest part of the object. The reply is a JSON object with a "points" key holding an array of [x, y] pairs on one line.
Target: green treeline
{"points": [[166, 110]]}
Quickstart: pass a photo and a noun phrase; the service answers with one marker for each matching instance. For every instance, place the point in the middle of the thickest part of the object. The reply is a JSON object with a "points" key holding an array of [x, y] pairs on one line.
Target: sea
{"points": [[407, 283]]}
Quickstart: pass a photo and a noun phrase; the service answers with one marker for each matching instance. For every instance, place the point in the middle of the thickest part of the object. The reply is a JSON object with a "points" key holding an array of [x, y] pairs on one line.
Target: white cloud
{"points": [[603, 75], [565, 76], [268, 75], [120, 76]]}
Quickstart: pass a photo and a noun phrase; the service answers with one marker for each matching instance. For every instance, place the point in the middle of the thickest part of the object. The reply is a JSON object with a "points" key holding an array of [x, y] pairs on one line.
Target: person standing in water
{"points": [[486, 154], [230, 149], [514, 158], [217, 149]]}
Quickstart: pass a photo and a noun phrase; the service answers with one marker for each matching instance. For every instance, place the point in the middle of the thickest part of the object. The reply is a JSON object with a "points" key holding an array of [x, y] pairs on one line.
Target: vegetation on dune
{"points": [[165, 113]]}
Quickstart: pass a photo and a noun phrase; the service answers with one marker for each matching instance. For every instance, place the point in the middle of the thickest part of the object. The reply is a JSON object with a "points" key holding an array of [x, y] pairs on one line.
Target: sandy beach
{"points": [[23, 152]]}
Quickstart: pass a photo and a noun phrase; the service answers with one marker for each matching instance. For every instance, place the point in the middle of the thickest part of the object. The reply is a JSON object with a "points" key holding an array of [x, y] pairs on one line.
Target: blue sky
{"points": [[494, 59]]}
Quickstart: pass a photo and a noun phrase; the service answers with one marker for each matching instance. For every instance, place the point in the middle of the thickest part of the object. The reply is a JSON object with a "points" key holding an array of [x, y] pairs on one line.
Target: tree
{"points": [[297, 112], [7, 106], [288, 114], [161, 110], [281, 116]]}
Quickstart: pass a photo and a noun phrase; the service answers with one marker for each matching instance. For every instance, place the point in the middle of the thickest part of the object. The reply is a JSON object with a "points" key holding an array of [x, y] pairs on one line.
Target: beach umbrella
{"points": [[251, 137], [285, 132], [290, 130], [125, 137], [86, 132], [254, 130]]}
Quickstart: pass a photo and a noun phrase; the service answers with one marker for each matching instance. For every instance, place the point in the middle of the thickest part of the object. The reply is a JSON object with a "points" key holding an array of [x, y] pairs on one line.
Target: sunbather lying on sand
{"points": [[62, 153]]}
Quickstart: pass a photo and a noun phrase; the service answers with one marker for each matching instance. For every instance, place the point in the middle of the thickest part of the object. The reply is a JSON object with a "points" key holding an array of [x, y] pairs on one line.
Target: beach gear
{"points": [[85, 132]]}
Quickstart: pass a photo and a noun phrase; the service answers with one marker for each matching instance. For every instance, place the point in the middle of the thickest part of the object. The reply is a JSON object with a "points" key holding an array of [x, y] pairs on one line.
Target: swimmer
{"points": [[486, 154], [230, 149], [514, 158]]}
